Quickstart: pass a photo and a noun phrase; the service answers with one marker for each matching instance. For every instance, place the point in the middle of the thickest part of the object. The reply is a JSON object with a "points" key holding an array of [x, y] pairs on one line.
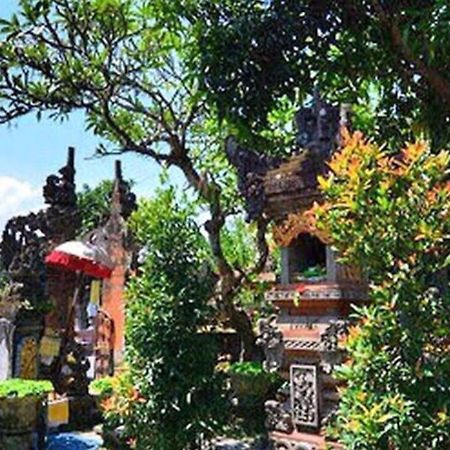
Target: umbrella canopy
{"points": [[87, 256]]}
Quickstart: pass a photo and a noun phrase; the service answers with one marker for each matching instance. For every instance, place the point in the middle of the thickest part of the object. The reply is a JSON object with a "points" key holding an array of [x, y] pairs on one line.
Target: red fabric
{"points": [[74, 263]]}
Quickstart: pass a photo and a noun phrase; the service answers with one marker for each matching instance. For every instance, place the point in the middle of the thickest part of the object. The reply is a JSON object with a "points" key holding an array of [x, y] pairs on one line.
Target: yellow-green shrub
{"points": [[390, 214]]}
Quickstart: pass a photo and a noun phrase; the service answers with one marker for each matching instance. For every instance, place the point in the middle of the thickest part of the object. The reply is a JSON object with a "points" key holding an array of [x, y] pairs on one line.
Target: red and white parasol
{"points": [[88, 256]]}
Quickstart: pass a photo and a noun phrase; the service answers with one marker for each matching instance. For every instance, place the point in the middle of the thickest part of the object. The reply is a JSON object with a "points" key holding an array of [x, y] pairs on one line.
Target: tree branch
{"points": [[437, 82]]}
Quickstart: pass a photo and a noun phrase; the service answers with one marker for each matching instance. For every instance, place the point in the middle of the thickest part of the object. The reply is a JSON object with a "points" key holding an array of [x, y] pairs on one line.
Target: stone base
{"points": [[301, 441], [22, 441]]}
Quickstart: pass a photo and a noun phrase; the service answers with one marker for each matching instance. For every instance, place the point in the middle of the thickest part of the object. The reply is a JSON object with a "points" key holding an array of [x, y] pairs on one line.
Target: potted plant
{"points": [[21, 403]]}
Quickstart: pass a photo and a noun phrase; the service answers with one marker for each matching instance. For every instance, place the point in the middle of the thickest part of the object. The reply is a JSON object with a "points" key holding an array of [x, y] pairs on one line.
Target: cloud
{"points": [[17, 197]]}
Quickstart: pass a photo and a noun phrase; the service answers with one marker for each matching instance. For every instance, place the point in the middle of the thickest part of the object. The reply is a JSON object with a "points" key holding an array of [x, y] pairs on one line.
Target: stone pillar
{"points": [[122, 204]]}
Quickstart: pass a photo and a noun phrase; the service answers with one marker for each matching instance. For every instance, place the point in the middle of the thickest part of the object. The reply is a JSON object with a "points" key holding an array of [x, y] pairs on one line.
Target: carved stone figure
{"points": [[330, 338], [62, 216], [318, 133], [318, 127], [60, 189], [278, 415], [10, 300], [270, 338]]}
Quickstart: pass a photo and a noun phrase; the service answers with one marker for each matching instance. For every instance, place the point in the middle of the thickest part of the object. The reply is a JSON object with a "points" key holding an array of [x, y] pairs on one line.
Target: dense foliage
{"points": [[179, 396], [391, 216], [389, 60], [95, 205]]}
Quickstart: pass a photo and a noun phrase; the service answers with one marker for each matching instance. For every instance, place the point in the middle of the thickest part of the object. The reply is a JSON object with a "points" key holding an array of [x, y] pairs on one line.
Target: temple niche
{"points": [[313, 292]]}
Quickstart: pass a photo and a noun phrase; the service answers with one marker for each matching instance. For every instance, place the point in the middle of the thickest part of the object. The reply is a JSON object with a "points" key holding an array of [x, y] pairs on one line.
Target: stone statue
{"points": [[278, 415], [330, 338], [318, 127], [270, 338], [6, 348], [331, 355]]}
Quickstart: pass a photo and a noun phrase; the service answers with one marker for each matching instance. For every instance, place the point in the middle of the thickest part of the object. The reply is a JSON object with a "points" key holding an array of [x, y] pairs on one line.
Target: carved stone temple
{"points": [[313, 293]]}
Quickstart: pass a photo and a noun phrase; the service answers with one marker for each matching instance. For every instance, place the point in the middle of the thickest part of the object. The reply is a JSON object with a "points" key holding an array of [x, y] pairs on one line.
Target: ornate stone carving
{"points": [[261, 177], [285, 232], [323, 292], [318, 127], [22, 254], [330, 337], [251, 168], [10, 300], [127, 199], [304, 395], [123, 203], [331, 355], [270, 338], [62, 216]]}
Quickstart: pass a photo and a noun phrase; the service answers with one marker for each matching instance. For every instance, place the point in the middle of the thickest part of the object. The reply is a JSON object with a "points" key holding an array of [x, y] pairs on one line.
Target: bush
{"points": [[391, 216], [16, 387], [179, 398], [252, 386], [103, 387]]}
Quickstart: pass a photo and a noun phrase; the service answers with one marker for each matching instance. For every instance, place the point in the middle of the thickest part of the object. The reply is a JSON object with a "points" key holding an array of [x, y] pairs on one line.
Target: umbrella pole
{"points": [[69, 329], [70, 326]]}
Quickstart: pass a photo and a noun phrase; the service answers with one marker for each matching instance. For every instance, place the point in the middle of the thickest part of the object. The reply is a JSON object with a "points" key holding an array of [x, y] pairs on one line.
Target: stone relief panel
{"points": [[304, 395]]}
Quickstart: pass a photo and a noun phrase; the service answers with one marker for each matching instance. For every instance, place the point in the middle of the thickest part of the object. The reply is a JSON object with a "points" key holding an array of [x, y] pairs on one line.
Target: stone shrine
{"points": [[313, 293]]}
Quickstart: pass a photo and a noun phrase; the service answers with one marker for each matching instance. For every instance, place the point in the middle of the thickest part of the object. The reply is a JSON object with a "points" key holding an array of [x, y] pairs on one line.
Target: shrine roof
{"points": [[275, 187]]}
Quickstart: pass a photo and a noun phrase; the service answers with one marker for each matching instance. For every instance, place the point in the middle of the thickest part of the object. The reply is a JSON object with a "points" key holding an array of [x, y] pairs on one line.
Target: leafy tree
{"points": [[388, 59], [131, 66], [390, 215], [179, 396], [95, 205]]}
